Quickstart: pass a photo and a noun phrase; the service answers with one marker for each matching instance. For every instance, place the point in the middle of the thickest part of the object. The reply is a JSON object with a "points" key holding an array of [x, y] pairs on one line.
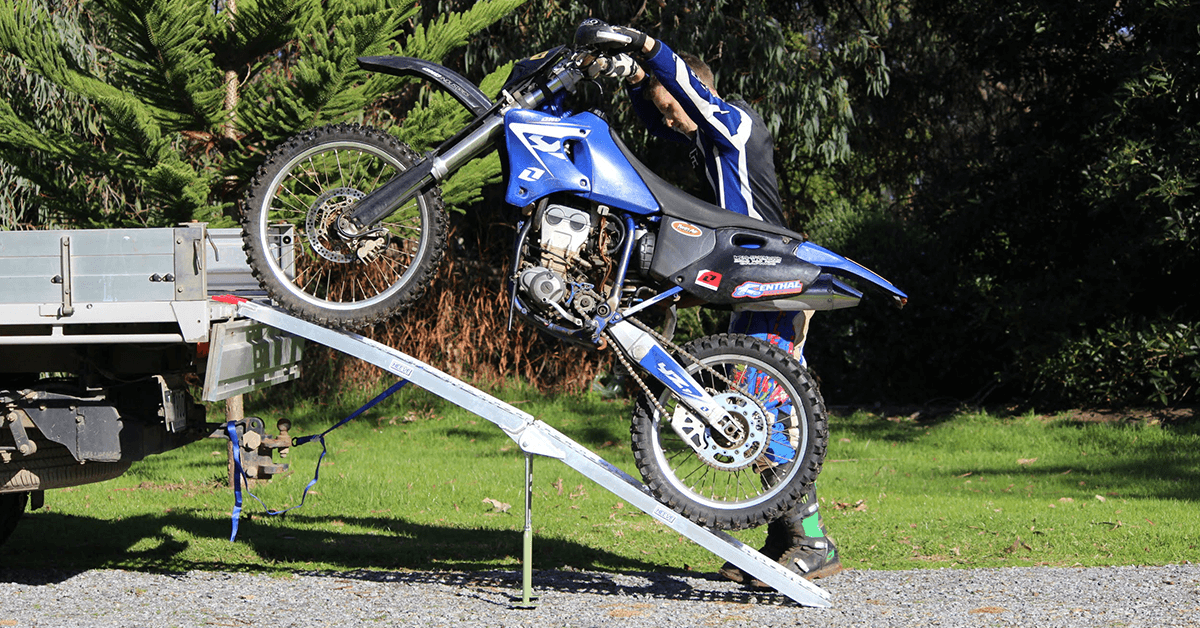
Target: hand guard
{"points": [[599, 35]]}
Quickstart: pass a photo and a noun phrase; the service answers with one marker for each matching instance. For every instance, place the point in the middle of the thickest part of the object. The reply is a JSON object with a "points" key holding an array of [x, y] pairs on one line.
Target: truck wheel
{"points": [[53, 466], [12, 506]]}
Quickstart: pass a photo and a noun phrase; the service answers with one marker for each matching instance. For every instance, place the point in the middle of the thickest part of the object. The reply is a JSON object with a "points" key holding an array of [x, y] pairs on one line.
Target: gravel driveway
{"points": [[1042, 597]]}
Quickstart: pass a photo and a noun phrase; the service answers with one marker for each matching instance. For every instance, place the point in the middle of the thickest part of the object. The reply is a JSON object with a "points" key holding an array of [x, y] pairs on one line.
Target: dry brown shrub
{"points": [[461, 327]]}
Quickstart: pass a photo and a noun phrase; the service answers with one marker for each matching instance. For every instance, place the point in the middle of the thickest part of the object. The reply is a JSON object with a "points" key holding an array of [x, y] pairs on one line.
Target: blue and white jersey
{"points": [[735, 147], [737, 153]]}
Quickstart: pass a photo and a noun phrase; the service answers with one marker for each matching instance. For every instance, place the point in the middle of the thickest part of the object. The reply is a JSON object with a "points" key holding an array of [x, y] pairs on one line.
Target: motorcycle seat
{"points": [[676, 203]]}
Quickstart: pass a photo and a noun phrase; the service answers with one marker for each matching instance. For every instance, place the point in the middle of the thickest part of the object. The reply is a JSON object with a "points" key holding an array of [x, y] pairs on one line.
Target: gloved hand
{"points": [[618, 66], [599, 35]]}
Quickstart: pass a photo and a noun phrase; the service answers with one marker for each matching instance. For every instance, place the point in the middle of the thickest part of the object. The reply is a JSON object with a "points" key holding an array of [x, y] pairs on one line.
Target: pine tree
{"points": [[167, 106], [34, 113]]}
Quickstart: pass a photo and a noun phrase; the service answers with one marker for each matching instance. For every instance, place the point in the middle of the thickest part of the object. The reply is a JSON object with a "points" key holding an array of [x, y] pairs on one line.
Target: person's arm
{"points": [[649, 114], [723, 123]]}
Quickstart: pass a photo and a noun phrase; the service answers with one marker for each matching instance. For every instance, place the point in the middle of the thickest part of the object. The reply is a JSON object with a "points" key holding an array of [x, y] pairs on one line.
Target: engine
{"points": [[568, 262]]}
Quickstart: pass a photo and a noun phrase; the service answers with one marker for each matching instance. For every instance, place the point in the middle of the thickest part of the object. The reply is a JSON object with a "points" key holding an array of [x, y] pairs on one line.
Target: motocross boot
{"points": [[811, 557], [777, 530], [810, 551], [798, 541]]}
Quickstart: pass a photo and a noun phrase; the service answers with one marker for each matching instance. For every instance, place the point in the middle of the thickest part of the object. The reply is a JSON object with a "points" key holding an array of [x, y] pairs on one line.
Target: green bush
{"points": [[1156, 361]]}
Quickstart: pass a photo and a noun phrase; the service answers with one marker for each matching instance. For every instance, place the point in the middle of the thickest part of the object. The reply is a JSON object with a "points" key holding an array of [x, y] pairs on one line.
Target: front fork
{"points": [[650, 355], [473, 141]]}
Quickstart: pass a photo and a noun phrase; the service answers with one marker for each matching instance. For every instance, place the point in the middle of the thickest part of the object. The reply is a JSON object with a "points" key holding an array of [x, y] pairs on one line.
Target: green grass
{"points": [[979, 491], [414, 484]]}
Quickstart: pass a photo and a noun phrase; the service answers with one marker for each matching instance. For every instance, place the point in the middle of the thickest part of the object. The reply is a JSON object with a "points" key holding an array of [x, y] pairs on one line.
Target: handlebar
{"points": [[541, 86]]}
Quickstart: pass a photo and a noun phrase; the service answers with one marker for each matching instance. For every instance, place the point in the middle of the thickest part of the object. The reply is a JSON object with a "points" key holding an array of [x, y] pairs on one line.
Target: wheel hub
{"points": [[720, 453], [321, 224]]}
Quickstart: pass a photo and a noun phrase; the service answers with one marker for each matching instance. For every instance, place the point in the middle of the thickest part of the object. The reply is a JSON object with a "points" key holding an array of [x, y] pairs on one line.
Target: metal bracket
{"points": [[531, 441], [16, 425], [191, 280], [257, 447], [64, 251]]}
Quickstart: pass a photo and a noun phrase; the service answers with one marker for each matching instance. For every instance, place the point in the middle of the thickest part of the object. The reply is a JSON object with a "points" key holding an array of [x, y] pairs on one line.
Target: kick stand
{"points": [[528, 599], [535, 438]]}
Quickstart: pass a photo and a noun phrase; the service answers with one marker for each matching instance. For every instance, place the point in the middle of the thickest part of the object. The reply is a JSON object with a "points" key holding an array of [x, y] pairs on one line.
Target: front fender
{"points": [[463, 90], [838, 265]]}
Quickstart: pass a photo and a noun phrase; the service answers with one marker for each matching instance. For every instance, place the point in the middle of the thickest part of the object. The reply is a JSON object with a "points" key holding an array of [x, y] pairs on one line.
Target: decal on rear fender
{"points": [[754, 289]]}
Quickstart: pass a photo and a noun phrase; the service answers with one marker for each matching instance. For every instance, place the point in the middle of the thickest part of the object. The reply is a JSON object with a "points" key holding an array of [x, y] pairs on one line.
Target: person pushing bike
{"points": [[676, 97]]}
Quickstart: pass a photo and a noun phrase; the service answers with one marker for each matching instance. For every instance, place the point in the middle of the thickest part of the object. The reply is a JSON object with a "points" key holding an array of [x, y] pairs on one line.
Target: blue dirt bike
{"points": [[728, 430]]}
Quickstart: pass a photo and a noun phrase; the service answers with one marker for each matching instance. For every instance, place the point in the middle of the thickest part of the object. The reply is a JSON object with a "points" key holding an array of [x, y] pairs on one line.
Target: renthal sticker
{"points": [[754, 290], [757, 260], [691, 231], [709, 279]]}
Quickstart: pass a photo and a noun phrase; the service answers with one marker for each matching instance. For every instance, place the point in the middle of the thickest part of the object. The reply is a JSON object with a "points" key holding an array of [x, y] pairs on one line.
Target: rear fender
{"points": [[836, 264]]}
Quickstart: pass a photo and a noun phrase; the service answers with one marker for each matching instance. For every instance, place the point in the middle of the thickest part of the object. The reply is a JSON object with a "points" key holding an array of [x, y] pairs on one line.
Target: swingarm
{"points": [[640, 346]]}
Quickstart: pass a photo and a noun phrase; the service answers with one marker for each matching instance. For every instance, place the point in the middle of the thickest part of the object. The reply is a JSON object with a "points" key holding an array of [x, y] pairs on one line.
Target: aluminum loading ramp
{"points": [[537, 438]]}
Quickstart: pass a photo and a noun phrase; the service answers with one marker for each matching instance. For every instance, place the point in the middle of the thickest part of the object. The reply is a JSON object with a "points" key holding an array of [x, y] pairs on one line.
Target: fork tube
{"points": [[403, 187], [451, 158]]}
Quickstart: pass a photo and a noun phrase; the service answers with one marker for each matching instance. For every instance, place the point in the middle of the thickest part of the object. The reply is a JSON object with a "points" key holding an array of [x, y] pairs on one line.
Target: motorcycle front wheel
{"points": [[298, 255], [735, 485]]}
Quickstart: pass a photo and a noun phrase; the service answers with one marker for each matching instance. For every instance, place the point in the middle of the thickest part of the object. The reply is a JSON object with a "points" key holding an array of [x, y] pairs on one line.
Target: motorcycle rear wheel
{"points": [[732, 486], [306, 184]]}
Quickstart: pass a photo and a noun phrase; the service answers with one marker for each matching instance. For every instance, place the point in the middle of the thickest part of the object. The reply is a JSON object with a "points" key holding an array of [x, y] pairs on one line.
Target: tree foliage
{"points": [[37, 116], [798, 67], [1026, 170], [1041, 160], [184, 97]]}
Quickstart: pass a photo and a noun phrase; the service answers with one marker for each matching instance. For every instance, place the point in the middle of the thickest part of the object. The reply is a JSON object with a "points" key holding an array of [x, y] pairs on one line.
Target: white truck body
{"points": [[105, 337]]}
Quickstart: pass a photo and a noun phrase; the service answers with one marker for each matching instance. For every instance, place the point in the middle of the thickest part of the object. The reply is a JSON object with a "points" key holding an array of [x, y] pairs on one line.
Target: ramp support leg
{"points": [[528, 599]]}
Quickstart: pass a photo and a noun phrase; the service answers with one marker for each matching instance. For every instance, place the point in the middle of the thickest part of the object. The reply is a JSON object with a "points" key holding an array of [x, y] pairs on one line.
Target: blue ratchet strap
{"points": [[239, 473]]}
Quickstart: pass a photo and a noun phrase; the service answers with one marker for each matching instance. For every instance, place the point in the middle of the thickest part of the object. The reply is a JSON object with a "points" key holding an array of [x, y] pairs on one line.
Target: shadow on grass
{"points": [[888, 427], [1120, 464], [153, 543], [1143, 476], [49, 548]]}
